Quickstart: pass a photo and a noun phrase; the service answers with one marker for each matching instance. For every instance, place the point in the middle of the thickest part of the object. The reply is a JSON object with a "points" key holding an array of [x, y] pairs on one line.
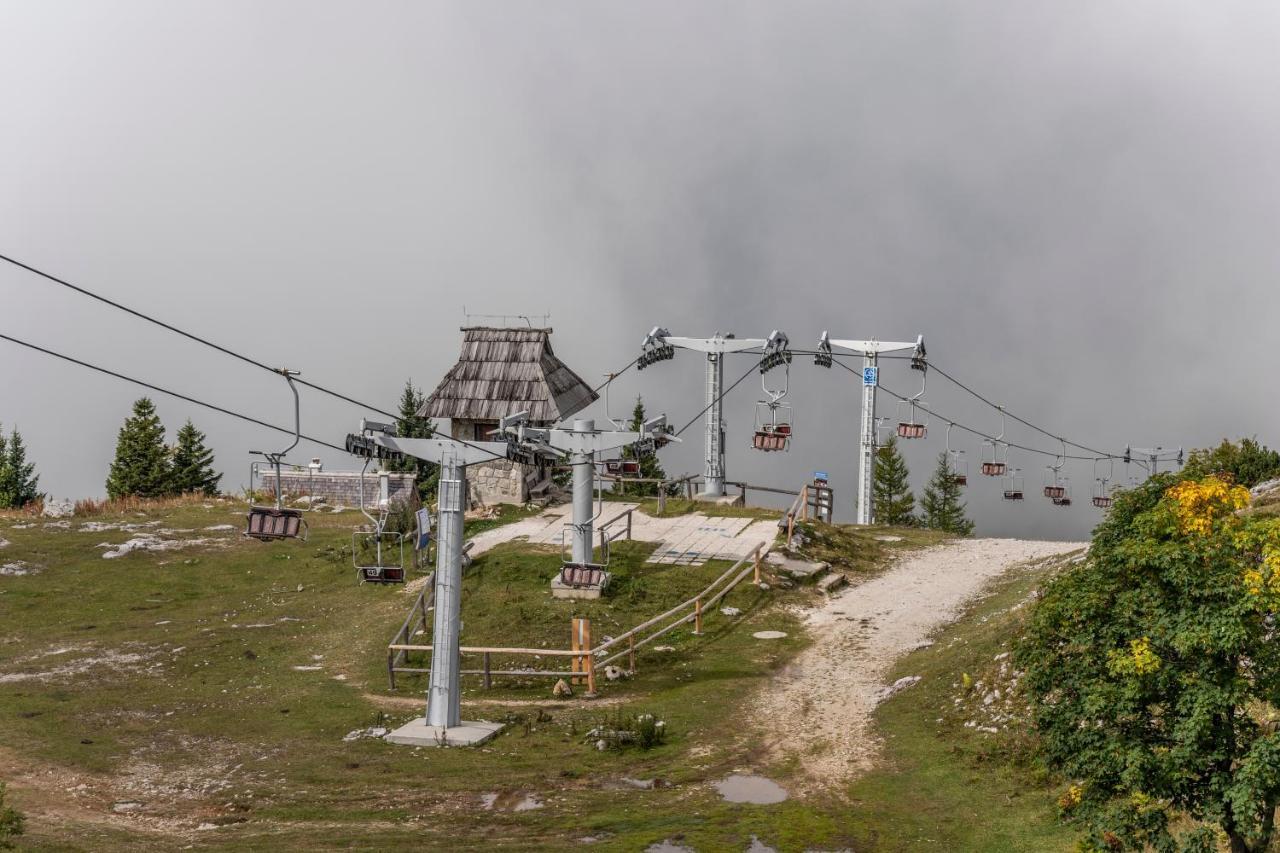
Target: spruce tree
{"points": [[650, 467], [942, 509], [18, 480], [192, 469], [891, 488], [141, 467], [411, 425]]}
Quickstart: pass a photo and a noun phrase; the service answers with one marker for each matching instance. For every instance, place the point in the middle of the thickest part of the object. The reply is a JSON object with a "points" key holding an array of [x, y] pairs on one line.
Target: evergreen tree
{"points": [[941, 503], [18, 480], [141, 467], [411, 425], [192, 469], [650, 467], [891, 489]]}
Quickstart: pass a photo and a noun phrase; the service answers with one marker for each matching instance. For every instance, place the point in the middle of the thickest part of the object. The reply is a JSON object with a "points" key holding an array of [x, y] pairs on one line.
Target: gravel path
{"points": [[820, 706]]}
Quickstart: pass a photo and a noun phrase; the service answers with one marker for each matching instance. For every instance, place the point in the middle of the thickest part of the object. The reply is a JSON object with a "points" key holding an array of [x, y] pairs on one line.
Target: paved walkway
{"points": [[684, 540]]}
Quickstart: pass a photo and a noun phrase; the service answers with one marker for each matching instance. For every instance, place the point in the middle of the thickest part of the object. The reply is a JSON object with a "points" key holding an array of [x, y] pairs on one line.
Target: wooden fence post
{"points": [[575, 662], [488, 681], [804, 503], [697, 617], [629, 514], [590, 662], [756, 577]]}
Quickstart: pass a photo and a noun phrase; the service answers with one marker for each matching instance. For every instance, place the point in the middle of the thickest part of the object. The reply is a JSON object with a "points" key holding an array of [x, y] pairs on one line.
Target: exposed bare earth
{"points": [[820, 707]]}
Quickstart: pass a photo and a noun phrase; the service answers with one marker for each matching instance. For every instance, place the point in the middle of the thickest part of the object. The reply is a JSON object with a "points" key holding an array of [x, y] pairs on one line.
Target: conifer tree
{"points": [[891, 488], [411, 425], [18, 480], [941, 505], [192, 468], [141, 467], [650, 467]]}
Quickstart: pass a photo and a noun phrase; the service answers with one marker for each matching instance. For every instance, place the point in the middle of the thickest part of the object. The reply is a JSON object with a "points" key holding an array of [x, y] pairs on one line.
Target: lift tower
{"points": [[659, 345], [442, 724], [870, 352], [579, 445]]}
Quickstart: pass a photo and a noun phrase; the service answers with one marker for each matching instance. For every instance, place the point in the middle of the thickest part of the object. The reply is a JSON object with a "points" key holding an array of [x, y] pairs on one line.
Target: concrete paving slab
{"points": [[468, 733]]}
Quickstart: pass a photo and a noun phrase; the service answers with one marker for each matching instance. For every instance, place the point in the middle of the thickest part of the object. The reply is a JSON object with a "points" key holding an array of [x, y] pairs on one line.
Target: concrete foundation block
{"points": [[467, 733]]}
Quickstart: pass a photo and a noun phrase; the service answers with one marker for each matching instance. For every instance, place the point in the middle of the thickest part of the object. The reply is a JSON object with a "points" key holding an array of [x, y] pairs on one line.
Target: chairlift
{"points": [[773, 420], [914, 425], [380, 571], [956, 462], [1056, 487], [270, 523], [655, 348], [1101, 493], [994, 462], [1013, 484]]}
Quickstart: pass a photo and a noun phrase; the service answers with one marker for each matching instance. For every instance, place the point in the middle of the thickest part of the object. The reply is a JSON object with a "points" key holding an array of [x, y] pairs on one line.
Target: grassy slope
{"points": [[224, 702]]}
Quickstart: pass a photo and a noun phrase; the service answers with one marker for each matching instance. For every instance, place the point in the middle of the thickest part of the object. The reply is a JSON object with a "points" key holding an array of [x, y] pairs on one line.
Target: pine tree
{"points": [[891, 489], [192, 469], [941, 503], [650, 467], [411, 425], [141, 467]]}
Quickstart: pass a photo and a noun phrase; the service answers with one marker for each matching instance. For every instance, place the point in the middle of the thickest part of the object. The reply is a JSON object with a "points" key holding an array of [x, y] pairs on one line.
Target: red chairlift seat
{"points": [[993, 469], [960, 479], [630, 467], [267, 523], [1055, 493], [912, 430], [1102, 502], [581, 575]]}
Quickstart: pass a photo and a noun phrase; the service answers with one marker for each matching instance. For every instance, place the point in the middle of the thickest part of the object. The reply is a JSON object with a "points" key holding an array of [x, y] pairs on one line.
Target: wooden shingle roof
{"points": [[502, 371]]}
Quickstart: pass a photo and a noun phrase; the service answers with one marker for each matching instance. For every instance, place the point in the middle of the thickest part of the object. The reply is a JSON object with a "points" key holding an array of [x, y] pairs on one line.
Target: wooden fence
{"points": [[586, 659]]}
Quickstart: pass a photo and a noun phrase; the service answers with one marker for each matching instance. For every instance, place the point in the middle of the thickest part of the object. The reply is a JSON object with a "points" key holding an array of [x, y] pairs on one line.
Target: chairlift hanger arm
{"points": [[716, 344], [874, 347], [435, 450]]}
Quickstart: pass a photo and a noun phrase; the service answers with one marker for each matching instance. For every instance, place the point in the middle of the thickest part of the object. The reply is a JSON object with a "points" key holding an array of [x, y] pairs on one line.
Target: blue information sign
{"points": [[870, 376]]}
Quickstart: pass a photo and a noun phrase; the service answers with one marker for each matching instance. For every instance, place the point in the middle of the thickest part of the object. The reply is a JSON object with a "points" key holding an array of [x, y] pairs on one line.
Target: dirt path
{"points": [[820, 707]]}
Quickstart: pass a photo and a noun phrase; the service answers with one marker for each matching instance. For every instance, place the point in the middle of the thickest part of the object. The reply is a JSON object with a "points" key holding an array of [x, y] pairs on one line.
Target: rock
{"points": [[613, 673], [58, 508], [832, 582], [897, 687], [730, 611], [888, 538], [562, 688], [764, 587]]}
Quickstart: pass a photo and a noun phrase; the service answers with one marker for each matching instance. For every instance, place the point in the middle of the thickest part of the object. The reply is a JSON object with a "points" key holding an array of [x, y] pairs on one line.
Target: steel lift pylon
{"points": [[442, 724], [715, 347], [870, 351]]}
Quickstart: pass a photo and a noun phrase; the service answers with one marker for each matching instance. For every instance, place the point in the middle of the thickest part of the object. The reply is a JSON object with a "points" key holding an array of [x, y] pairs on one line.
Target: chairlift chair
{"points": [[956, 462], [380, 571], [1055, 488], [272, 523], [909, 427], [773, 417], [1013, 485], [994, 462], [1065, 498], [1101, 492]]}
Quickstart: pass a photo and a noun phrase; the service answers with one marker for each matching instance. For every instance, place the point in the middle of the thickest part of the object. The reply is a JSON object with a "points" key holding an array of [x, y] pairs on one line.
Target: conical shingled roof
{"points": [[502, 371]]}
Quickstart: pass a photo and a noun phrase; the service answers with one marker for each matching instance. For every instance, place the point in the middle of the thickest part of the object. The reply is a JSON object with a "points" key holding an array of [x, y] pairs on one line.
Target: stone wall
{"points": [[500, 481], [339, 487]]}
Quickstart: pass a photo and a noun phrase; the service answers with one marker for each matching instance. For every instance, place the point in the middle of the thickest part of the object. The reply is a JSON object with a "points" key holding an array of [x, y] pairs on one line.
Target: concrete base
{"points": [[719, 500], [418, 733]]}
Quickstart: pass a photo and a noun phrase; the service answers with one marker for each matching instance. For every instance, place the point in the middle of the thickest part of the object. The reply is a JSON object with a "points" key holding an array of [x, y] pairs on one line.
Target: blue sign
{"points": [[871, 376]]}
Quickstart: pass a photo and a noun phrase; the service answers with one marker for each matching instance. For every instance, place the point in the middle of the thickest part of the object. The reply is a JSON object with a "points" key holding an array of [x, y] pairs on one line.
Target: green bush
{"points": [[12, 823]]}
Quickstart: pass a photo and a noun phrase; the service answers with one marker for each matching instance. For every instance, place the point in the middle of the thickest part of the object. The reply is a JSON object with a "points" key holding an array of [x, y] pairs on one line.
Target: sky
{"points": [[1074, 203]]}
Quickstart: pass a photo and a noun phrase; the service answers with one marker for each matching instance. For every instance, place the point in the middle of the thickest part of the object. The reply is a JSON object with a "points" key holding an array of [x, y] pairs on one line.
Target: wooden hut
{"points": [[502, 371]]}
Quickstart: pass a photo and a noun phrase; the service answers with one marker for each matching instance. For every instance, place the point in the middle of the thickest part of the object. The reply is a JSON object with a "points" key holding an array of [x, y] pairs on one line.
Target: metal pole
{"points": [[443, 700], [583, 465], [866, 510], [713, 470]]}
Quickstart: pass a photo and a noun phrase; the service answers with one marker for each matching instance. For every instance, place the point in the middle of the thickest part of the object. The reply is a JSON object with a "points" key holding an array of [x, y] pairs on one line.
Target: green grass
{"points": [[214, 697]]}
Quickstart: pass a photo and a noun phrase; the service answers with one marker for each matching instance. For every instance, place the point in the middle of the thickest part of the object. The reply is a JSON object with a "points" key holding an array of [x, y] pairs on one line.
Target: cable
{"points": [[148, 318], [694, 419], [160, 390]]}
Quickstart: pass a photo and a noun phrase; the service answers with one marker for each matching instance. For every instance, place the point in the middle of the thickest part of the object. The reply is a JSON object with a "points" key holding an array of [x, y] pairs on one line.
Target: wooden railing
{"points": [[585, 659], [397, 651], [812, 496]]}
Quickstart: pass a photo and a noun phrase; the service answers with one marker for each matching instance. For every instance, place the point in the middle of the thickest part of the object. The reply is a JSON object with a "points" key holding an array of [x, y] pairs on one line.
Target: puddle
{"points": [[769, 635], [756, 790], [512, 801]]}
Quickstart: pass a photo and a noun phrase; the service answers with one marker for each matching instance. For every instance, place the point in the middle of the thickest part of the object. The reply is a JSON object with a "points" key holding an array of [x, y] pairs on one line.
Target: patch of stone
{"points": [[888, 538], [897, 687], [769, 635], [370, 732], [830, 583], [58, 508], [730, 612], [17, 569]]}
